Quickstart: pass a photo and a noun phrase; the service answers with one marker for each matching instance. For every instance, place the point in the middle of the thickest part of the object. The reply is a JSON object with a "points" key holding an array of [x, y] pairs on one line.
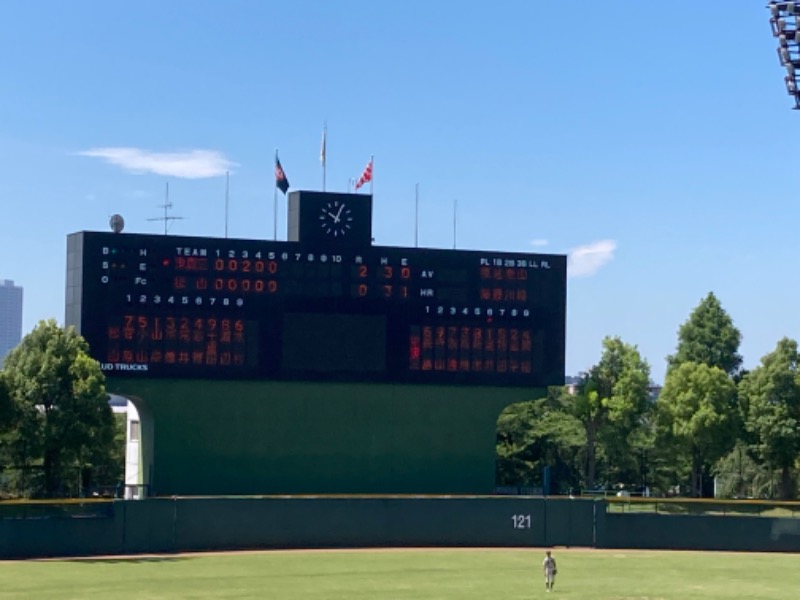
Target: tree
{"points": [[612, 398], [6, 407], [708, 337], [63, 422], [770, 395], [697, 417], [533, 435], [6, 421], [739, 475], [108, 467]]}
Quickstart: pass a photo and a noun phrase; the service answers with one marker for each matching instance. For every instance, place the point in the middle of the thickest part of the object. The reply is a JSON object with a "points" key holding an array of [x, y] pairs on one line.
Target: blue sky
{"points": [[651, 142]]}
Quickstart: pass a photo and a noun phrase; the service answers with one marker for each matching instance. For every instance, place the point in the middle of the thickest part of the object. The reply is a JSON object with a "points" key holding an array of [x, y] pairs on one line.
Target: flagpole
{"points": [[275, 204], [166, 206], [455, 211], [416, 216], [227, 187], [275, 213], [322, 153], [372, 175]]}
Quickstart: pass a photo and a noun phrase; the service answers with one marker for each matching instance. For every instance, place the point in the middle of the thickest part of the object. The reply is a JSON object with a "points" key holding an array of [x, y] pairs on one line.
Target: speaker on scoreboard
{"points": [[330, 218]]}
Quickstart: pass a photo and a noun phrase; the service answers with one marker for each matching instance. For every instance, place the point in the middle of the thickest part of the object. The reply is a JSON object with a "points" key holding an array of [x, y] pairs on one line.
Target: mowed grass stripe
{"points": [[409, 574]]}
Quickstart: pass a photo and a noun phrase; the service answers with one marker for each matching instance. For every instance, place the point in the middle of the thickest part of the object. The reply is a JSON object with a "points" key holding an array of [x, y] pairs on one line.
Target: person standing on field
{"points": [[549, 568]]}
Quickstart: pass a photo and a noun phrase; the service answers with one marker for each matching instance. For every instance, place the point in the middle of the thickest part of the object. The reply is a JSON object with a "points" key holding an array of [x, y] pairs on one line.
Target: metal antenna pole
{"points": [[166, 206], [416, 216], [455, 212], [227, 188]]}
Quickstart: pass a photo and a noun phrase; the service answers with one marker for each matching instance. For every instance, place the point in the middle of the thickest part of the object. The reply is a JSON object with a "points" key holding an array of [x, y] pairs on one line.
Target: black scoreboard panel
{"points": [[169, 306]]}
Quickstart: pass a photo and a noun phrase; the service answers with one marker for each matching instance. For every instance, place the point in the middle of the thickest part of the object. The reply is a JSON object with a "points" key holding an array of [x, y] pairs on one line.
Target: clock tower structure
{"points": [[328, 218]]}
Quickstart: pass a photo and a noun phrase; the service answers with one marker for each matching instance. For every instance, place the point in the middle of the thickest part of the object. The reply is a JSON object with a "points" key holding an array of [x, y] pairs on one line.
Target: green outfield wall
{"points": [[244, 438], [694, 532], [159, 525], [167, 525]]}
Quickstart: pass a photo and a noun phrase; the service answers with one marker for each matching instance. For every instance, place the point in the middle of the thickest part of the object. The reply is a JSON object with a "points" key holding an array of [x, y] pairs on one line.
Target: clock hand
{"points": [[335, 217], [339, 214]]}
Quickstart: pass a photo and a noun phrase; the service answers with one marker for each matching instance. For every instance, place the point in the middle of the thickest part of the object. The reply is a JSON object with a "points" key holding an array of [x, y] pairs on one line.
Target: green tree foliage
{"points": [[611, 401], [739, 475], [627, 460], [533, 435], [63, 424], [709, 337], [770, 395], [6, 423], [697, 418], [6, 408]]}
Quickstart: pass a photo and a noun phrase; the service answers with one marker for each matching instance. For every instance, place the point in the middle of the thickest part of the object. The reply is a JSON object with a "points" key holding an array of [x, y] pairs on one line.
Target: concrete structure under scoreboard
{"points": [[242, 438], [319, 365]]}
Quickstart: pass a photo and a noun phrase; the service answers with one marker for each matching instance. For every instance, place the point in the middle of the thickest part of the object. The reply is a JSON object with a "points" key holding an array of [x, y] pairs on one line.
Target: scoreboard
{"points": [[171, 306]]}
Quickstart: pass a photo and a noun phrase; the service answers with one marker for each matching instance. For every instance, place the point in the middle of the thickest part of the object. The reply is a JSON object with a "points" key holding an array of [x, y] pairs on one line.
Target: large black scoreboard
{"points": [[169, 306]]}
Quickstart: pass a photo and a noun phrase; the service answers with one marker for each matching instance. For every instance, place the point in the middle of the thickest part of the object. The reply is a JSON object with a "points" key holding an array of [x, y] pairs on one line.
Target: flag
{"points": [[366, 175], [280, 177], [322, 148]]}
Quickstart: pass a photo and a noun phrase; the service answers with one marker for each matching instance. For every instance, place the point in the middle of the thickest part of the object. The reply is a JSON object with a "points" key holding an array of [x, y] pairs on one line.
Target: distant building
{"points": [[10, 317]]}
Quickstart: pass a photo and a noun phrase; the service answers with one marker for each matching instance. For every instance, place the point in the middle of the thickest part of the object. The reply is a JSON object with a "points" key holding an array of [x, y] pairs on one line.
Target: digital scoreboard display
{"points": [[170, 306]]}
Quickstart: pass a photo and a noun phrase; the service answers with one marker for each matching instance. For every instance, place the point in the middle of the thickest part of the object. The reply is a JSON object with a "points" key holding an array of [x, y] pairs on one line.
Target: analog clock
{"points": [[336, 218], [329, 218]]}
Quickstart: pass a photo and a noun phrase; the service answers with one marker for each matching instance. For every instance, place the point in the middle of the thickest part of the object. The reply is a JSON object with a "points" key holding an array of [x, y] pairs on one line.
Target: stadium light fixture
{"points": [[785, 23]]}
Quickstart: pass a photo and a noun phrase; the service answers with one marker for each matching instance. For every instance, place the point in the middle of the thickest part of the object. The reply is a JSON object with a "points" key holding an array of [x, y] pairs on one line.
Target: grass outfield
{"points": [[408, 574]]}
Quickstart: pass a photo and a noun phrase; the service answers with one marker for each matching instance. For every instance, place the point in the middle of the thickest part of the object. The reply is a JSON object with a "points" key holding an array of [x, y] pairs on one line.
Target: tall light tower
{"points": [[784, 22]]}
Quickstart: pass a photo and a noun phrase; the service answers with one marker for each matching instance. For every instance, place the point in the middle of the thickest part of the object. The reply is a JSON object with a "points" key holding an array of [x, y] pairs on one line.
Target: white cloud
{"points": [[193, 164], [586, 260], [539, 242]]}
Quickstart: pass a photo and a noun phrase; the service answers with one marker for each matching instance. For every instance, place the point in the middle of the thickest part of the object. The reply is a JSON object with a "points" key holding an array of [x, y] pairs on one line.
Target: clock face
{"points": [[336, 218]]}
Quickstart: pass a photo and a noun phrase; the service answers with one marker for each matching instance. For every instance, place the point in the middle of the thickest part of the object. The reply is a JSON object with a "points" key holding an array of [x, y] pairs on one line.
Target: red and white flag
{"points": [[366, 175]]}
